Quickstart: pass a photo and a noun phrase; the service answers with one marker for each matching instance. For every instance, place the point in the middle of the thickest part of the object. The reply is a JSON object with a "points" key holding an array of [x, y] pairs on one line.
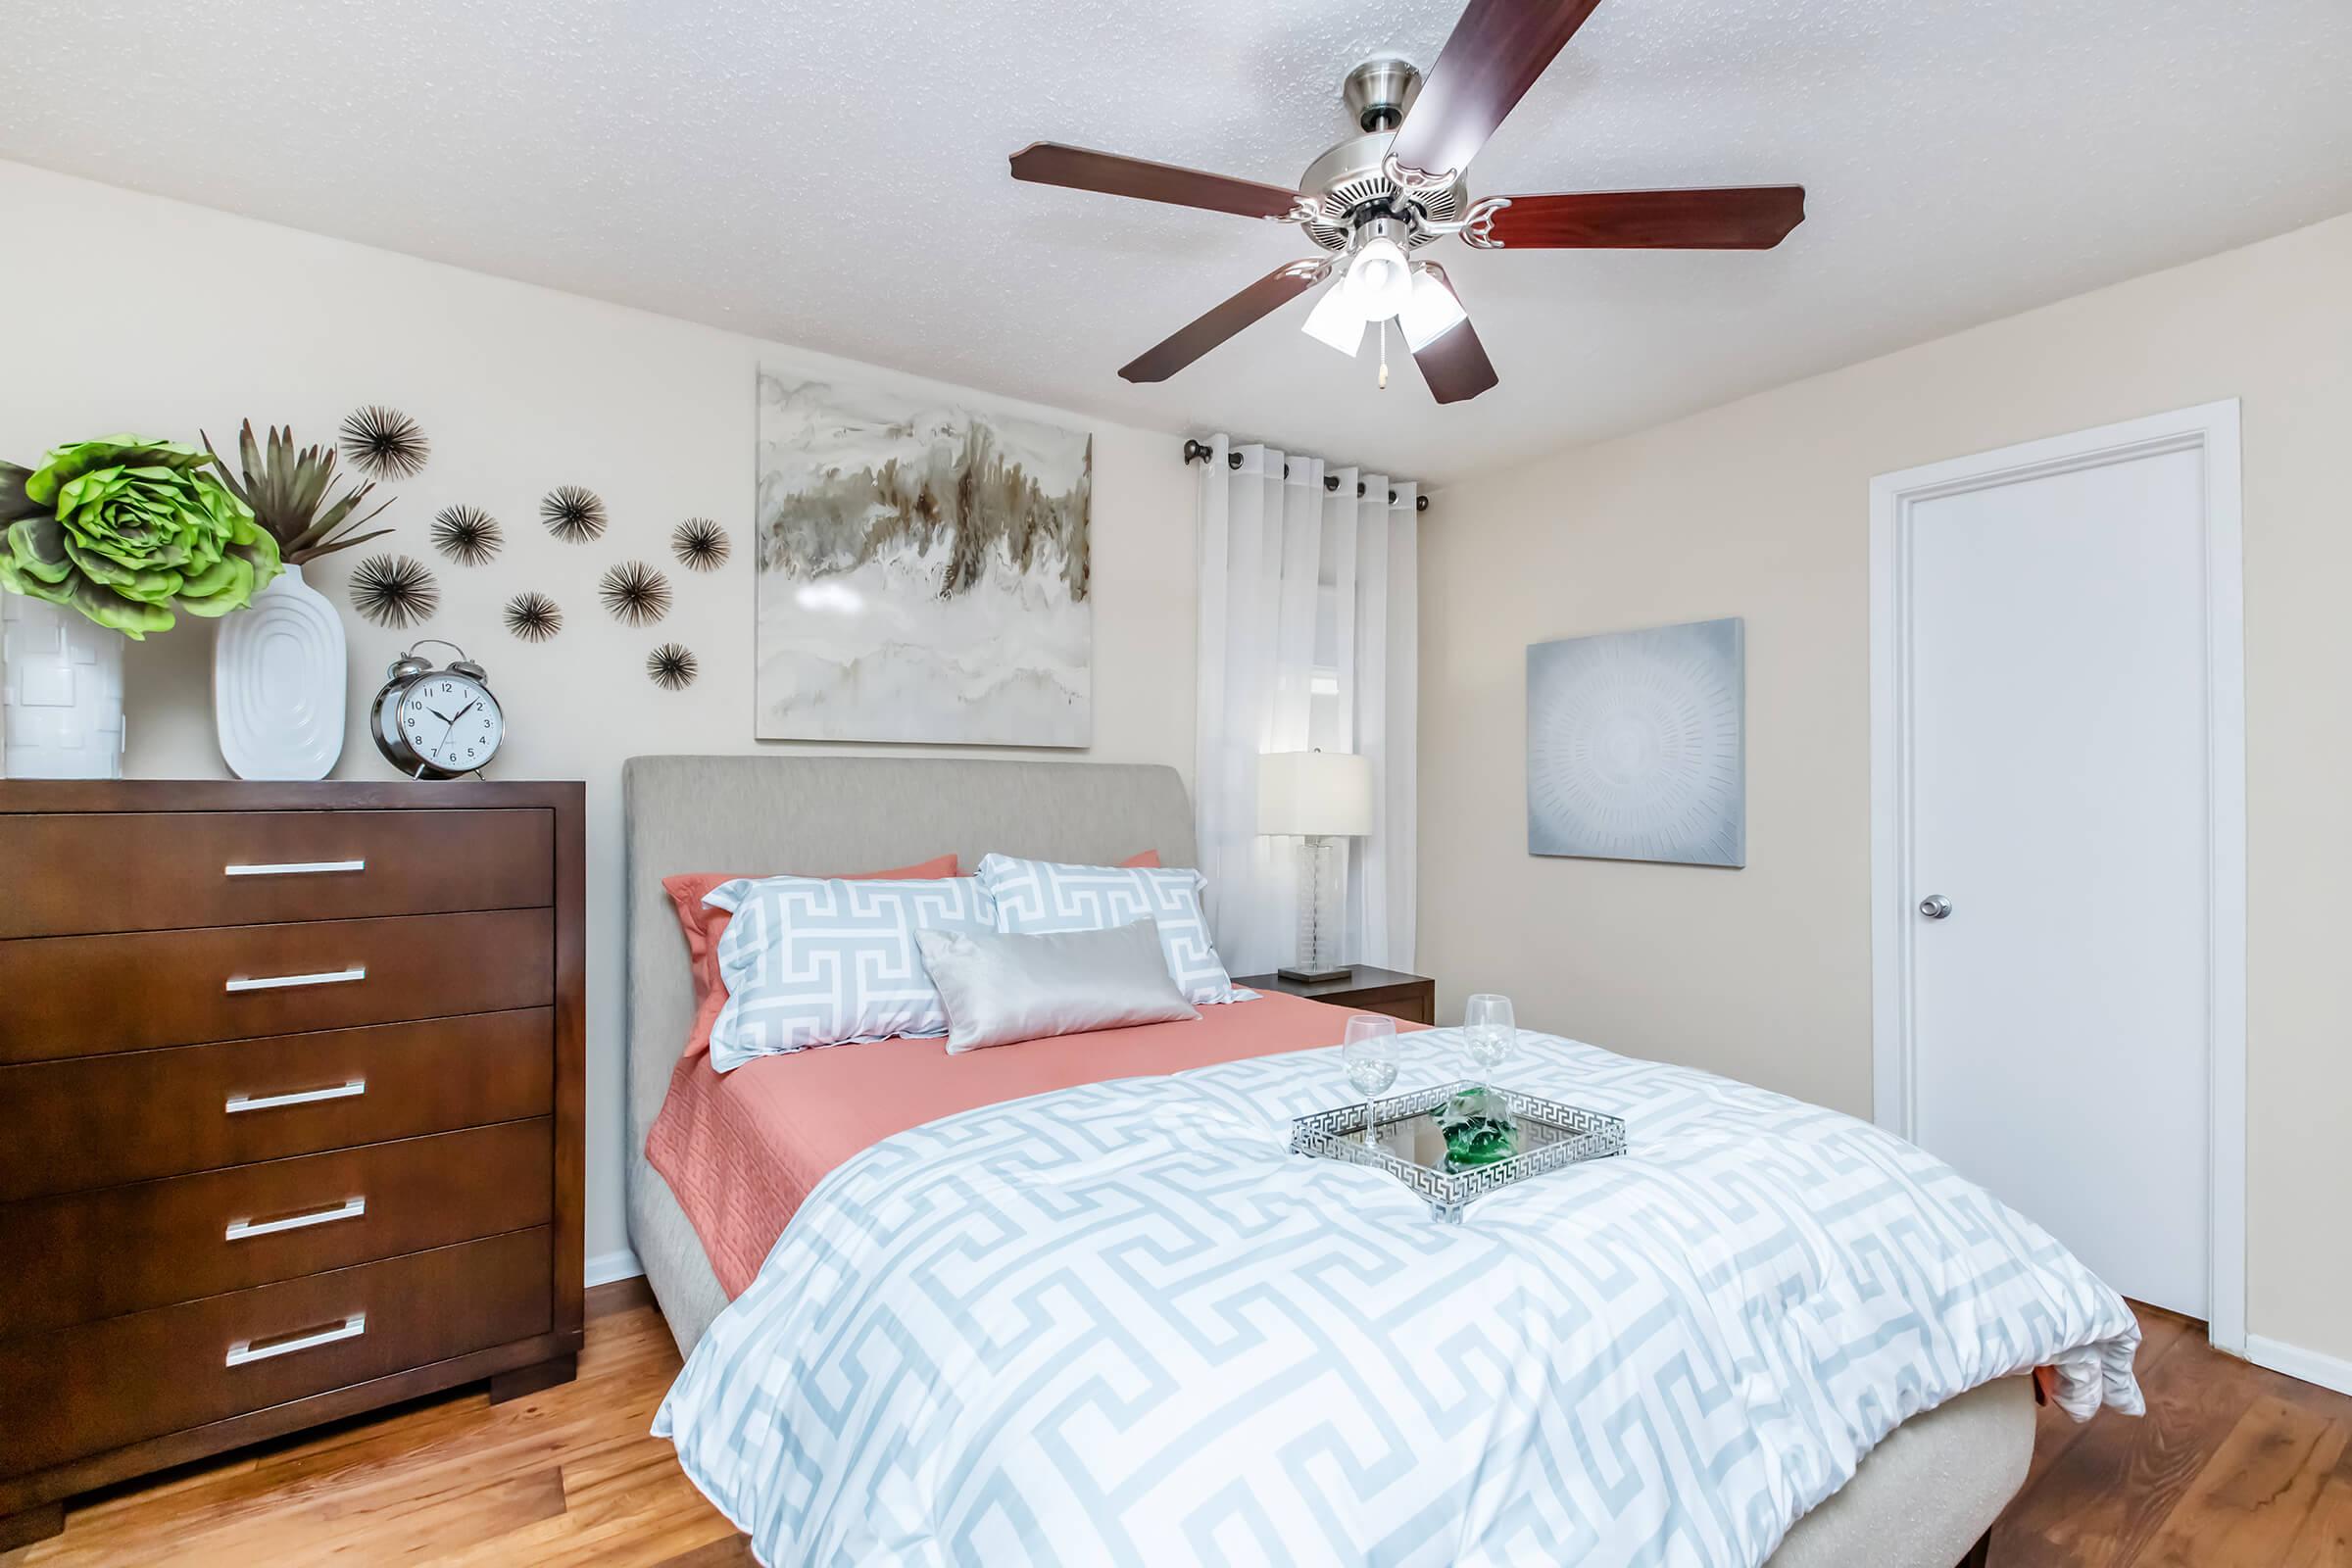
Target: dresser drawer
{"points": [[127, 1248], [83, 1391], [155, 870], [96, 1121], [86, 996]]}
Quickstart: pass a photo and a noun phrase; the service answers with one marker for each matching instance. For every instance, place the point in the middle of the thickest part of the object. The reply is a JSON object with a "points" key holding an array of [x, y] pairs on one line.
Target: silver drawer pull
{"points": [[303, 1097], [351, 1208], [294, 868], [286, 982], [351, 1328]]}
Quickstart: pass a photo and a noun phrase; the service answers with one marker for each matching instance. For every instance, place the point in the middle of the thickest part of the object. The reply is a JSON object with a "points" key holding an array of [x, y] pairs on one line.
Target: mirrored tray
{"points": [[1407, 1143]]}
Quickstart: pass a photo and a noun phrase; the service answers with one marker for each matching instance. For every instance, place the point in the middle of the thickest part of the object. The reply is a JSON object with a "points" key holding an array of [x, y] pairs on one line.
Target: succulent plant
{"points": [[285, 490], [129, 531]]}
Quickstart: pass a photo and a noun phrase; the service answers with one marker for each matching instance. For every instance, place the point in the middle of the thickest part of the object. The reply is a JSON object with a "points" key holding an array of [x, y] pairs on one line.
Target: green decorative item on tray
{"points": [[1509, 1136], [128, 532], [1479, 1129]]}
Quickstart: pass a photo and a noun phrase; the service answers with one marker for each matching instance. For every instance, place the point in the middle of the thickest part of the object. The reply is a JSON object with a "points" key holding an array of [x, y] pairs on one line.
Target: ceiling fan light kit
{"points": [[1337, 320], [1432, 310], [1379, 277], [1397, 186]]}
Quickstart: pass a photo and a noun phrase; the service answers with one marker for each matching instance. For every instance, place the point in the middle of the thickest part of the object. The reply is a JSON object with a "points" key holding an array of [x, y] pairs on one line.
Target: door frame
{"points": [[2212, 430]]}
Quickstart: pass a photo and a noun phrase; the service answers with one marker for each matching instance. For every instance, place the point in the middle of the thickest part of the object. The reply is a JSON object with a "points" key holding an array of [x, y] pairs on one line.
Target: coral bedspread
{"points": [[741, 1149]]}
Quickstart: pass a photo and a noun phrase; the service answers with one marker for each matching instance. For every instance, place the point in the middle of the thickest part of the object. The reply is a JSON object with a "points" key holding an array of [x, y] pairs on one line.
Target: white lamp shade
{"points": [[1380, 280], [1337, 320], [1314, 794], [1431, 310]]}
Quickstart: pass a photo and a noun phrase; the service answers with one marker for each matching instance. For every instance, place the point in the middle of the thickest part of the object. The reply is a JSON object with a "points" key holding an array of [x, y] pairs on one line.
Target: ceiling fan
{"points": [[1382, 194]]}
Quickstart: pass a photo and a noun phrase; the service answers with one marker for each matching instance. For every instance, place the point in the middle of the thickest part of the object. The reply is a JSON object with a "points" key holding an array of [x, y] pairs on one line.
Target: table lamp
{"points": [[1316, 796]]}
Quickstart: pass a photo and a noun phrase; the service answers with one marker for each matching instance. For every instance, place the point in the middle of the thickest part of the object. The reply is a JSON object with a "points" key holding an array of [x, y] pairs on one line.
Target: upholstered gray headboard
{"points": [[835, 815]]}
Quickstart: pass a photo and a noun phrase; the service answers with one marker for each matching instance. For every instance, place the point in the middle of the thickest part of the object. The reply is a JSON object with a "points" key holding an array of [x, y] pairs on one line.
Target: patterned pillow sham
{"points": [[1035, 898], [812, 962]]}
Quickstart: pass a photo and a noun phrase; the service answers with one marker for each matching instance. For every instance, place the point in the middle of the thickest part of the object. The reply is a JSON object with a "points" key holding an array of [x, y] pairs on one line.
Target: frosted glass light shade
{"points": [[1380, 280], [1314, 794], [1337, 320], [1431, 311]]}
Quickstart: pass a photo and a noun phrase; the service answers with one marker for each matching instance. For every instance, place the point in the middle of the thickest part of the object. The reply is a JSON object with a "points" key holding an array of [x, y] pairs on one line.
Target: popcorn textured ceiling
{"points": [[831, 173]]}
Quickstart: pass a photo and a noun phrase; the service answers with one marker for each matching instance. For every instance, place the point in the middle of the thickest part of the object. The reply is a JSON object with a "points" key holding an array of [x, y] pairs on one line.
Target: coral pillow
{"points": [[1149, 861], [702, 926]]}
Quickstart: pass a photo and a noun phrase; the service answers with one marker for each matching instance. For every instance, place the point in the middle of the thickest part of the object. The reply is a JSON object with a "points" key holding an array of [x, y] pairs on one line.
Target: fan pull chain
{"points": [[1384, 354]]}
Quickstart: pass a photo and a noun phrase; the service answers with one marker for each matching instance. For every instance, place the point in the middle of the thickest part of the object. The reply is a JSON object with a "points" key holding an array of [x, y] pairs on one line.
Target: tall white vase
{"points": [[279, 675], [60, 690]]}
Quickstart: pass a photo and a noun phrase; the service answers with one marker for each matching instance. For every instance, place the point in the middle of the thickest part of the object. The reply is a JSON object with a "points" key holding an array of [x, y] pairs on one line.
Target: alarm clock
{"points": [[436, 723]]}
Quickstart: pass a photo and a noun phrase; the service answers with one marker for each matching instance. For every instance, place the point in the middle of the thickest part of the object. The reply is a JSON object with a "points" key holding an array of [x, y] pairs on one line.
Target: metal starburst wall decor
{"points": [[634, 593], [394, 591], [384, 443], [573, 513], [699, 543], [466, 535], [673, 667], [533, 617]]}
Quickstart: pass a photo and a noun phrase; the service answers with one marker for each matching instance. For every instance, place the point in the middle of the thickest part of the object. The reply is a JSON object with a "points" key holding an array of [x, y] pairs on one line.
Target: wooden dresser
{"points": [[290, 1112]]}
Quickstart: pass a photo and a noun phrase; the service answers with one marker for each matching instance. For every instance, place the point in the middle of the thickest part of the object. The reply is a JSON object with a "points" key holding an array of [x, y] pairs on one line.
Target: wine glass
{"points": [[1488, 1033], [1369, 1053]]}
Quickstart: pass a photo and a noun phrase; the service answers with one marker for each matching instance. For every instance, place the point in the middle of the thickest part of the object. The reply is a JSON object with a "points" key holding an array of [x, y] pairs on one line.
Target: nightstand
{"points": [[1410, 998]]}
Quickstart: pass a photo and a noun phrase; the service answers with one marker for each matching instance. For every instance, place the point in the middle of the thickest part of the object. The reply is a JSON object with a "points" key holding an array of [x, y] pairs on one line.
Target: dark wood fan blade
{"points": [[1049, 163], [1260, 299], [1751, 217], [1456, 366], [1496, 53]]}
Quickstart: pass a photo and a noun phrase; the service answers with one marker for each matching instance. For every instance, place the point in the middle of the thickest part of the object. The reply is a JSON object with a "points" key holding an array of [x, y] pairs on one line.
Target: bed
{"points": [[1924, 1497]]}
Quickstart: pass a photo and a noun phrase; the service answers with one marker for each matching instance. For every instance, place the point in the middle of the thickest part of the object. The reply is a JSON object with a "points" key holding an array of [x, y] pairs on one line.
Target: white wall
{"points": [[1761, 508], [129, 313]]}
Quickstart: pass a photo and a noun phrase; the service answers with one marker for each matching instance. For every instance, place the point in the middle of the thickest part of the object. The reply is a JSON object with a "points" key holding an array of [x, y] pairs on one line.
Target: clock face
{"points": [[450, 722]]}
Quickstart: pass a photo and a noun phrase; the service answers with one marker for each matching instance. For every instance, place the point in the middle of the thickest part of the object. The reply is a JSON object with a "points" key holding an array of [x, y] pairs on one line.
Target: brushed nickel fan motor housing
{"points": [[1379, 91], [1346, 186]]}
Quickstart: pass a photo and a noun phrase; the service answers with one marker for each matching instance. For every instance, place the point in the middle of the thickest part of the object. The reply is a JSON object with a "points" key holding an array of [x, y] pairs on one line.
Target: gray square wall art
{"points": [[1636, 746], [923, 569]]}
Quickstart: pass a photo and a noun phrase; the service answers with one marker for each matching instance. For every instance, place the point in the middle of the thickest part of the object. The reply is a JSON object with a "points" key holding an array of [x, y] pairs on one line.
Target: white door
{"points": [[2056, 715]]}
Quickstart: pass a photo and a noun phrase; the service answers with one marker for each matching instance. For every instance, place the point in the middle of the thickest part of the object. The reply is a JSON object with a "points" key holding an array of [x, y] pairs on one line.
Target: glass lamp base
{"points": [[1317, 977]]}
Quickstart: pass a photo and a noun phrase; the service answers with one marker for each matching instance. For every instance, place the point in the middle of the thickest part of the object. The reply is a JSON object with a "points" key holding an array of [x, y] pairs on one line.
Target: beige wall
{"points": [[135, 313], [1761, 508]]}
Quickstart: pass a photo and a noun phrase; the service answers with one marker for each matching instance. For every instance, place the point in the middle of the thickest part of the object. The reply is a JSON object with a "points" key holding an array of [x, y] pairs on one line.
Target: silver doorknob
{"points": [[1935, 907]]}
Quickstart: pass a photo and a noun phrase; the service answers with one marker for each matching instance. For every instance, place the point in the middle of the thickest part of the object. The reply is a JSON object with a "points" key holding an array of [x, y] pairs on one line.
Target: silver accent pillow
{"points": [[1000, 987]]}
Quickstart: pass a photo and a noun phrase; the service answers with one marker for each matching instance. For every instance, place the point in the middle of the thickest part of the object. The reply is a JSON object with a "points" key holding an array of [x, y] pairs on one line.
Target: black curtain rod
{"points": [[1201, 452]]}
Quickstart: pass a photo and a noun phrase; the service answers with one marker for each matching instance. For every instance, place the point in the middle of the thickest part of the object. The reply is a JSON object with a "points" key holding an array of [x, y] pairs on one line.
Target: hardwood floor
{"points": [[2234, 1467], [566, 1475]]}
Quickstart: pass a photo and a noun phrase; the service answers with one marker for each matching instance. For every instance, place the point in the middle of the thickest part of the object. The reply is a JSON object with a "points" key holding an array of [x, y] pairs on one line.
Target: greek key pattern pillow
{"points": [[808, 961], [1036, 898]]}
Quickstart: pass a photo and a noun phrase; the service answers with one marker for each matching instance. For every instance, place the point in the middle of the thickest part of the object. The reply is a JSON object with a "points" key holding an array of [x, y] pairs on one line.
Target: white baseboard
{"points": [[605, 1267], [2328, 1371]]}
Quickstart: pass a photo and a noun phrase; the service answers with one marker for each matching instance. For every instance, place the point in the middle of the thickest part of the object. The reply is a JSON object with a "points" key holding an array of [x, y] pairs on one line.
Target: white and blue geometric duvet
{"points": [[1121, 1324]]}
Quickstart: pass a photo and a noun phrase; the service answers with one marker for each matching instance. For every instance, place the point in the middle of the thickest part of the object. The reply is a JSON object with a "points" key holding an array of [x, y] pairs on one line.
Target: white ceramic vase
{"points": [[280, 676], [61, 689]]}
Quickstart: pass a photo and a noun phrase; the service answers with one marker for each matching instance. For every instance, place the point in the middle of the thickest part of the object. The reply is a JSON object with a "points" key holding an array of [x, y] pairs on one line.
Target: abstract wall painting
{"points": [[922, 570], [1636, 745]]}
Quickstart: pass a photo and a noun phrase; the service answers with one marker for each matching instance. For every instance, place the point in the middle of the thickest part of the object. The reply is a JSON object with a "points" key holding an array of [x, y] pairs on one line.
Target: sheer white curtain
{"points": [[1307, 639]]}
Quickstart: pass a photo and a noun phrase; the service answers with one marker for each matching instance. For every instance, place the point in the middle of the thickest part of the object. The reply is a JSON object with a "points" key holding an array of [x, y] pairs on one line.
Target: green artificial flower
{"points": [[128, 532]]}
